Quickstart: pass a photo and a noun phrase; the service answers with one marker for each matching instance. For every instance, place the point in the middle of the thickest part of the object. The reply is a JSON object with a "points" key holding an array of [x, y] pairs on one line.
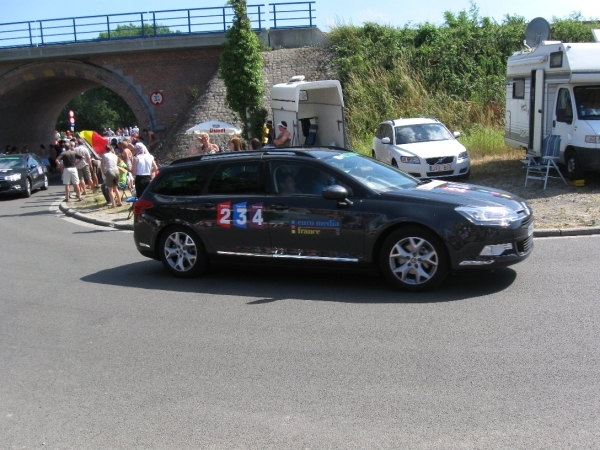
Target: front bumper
{"points": [[422, 170], [520, 238], [8, 187], [589, 158]]}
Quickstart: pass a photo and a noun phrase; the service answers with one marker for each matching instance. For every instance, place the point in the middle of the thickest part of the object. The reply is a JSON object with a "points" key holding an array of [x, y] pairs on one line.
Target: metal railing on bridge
{"points": [[152, 24]]}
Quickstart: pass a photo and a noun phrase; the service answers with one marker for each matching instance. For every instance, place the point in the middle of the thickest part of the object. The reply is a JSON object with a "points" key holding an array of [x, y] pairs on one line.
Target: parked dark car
{"points": [[326, 206], [22, 174]]}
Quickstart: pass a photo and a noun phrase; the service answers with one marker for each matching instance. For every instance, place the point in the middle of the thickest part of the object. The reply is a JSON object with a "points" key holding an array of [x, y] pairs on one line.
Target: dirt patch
{"points": [[558, 206]]}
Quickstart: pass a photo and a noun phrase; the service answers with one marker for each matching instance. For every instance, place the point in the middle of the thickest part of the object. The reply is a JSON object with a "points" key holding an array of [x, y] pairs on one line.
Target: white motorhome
{"points": [[315, 106], [554, 88]]}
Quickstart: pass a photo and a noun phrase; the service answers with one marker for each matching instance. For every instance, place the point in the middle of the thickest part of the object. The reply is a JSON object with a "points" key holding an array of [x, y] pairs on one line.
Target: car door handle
{"points": [[279, 207]]}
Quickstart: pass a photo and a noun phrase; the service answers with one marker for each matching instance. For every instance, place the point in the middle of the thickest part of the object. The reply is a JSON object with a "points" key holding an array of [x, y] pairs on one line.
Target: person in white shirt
{"points": [[143, 168]]}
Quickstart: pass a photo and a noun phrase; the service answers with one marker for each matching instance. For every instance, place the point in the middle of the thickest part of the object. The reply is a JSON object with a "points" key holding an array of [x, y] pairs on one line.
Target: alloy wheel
{"points": [[180, 251], [413, 260]]}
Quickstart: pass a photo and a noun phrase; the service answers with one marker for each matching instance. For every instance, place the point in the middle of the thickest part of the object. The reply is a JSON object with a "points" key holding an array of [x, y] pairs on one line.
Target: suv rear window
{"points": [[188, 181]]}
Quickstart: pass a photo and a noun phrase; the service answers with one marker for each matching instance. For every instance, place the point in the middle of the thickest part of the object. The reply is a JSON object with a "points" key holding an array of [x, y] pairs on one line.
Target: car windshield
{"points": [[371, 173], [423, 132], [11, 163], [587, 99]]}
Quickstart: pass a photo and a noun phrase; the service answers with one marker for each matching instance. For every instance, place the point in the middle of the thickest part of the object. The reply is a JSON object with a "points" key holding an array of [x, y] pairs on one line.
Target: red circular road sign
{"points": [[157, 98]]}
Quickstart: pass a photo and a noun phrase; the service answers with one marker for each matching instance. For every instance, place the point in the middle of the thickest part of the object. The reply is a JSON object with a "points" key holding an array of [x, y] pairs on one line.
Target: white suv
{"points": [[423, 148]]}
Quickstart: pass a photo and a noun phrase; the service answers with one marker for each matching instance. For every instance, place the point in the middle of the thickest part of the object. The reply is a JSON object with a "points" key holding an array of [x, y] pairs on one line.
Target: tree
{"points": [[241, 70], [132, 30], [97, 109]]}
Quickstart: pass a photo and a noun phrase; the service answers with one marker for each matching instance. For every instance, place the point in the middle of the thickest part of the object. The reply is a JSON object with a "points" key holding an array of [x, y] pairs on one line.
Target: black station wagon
{"points": [[323, 206]]}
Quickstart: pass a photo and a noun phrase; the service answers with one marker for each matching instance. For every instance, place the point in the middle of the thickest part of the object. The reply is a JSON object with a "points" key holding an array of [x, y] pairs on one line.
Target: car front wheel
{"points": [[394, 163], [182, 253], [27, 192], [414, 259], [45, 185]]}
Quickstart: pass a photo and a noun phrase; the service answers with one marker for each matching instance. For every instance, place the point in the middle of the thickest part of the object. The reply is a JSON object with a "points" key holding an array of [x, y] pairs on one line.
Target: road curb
{"points": [[540, 233], [86, 218], [565, 232]]}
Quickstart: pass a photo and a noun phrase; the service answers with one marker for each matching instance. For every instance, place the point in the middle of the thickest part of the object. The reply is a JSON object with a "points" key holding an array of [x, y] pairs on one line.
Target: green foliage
{"points": [[97, 109], [241, 70], [132, 30], [455, 72]]}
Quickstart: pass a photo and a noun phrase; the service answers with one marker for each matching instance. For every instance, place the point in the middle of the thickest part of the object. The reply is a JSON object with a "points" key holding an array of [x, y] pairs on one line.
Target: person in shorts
{"points": [[67, 161], [83, 167], [110, 171]]}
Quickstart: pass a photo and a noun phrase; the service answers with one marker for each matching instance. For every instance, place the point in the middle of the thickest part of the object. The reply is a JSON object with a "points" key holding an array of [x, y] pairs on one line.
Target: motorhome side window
{"points": [[564, 107], [556, 59], [519, 88]]}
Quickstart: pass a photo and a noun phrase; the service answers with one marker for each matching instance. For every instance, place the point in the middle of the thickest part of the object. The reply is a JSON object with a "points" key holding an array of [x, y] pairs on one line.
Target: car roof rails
{"points": [[299, 150]]}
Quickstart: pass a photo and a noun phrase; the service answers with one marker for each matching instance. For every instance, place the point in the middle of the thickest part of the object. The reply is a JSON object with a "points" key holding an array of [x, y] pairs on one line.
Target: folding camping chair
{"points": [[131, 200], [539, 167], [312, 135]]}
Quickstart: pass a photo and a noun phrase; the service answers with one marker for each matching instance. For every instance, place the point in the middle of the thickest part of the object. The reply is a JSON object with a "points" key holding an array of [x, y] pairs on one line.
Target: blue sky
{"points": [[328, 11]]}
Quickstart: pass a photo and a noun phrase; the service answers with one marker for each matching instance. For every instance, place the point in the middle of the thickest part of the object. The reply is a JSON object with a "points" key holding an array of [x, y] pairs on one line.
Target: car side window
{"points": [[31, 162], [564, 107], [237, 178], [182, 182], [379, 134], [388, 133], [297, 178]]}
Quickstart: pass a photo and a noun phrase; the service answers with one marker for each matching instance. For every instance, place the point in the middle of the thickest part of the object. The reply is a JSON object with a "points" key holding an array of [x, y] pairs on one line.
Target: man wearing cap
{"points": [[284, 138]]}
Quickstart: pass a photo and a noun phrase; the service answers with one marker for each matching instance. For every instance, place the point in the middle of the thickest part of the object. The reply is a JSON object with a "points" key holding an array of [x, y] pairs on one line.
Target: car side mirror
{"points": [[456, 134], [336, 192], [32, 166], [385, 140]]}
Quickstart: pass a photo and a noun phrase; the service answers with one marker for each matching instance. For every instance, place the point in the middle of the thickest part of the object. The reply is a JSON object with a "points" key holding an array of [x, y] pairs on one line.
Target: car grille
{"points": [[527, 221], [1, 178], [445, 160], [440, 174], [525, 246]]}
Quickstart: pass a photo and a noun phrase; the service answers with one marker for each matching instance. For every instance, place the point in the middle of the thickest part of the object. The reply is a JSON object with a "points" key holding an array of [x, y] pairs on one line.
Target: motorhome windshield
{"points": [[409, 134], [587, 99]]}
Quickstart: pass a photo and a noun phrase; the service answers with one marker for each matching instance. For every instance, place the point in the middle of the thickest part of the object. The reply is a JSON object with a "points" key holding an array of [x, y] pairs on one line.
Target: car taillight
{"points": [[140, 205]]}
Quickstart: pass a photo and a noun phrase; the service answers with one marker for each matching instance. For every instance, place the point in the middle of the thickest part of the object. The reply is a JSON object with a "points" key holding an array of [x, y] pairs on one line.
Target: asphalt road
{"points": [[100, 349]]}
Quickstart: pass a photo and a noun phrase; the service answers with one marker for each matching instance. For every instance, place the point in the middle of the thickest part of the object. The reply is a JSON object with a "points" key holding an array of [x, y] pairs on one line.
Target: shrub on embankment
{"points": [[455, 72]]}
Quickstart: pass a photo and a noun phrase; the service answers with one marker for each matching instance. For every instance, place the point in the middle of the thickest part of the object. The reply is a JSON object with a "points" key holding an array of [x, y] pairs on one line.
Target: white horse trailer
{"points": [[302, 103], [554, 88]]}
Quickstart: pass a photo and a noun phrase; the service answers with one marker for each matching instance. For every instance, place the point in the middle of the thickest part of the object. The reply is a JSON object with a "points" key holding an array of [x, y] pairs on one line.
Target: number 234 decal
{"points": [[240, 215]]}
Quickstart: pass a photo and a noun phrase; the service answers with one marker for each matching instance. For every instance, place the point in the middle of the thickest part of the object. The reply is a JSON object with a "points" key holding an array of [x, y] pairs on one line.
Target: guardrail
{"points": [[152, 24], [292, 14]]}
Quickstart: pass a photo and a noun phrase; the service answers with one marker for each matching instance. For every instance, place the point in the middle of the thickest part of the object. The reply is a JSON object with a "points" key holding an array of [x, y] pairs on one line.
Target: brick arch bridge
{"points": [[34, 94], [37, 82]]}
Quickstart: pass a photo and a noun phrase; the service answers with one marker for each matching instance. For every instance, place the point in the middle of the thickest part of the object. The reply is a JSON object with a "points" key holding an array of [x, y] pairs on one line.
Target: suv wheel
{"points": [[182, 252], [373, 155], [394, 163], [45, 185], [414, 259]]}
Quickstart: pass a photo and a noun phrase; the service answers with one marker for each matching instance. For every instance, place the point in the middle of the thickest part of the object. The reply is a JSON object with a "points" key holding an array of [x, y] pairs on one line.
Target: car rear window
{"points": [[188, 181]]}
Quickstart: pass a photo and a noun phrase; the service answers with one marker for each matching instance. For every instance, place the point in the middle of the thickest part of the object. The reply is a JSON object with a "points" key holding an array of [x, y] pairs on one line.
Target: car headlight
{"points": [[488, 215], [463, 155], [410, 160], [592, 139], [13, 177]]}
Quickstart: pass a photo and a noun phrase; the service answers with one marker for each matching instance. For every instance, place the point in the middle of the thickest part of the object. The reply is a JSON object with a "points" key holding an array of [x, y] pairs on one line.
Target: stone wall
{"points": [[315, 63]]}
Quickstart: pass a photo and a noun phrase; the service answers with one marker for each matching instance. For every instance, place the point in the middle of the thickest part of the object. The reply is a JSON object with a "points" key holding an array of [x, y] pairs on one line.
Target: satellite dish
{"points": [[537, 31]]}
